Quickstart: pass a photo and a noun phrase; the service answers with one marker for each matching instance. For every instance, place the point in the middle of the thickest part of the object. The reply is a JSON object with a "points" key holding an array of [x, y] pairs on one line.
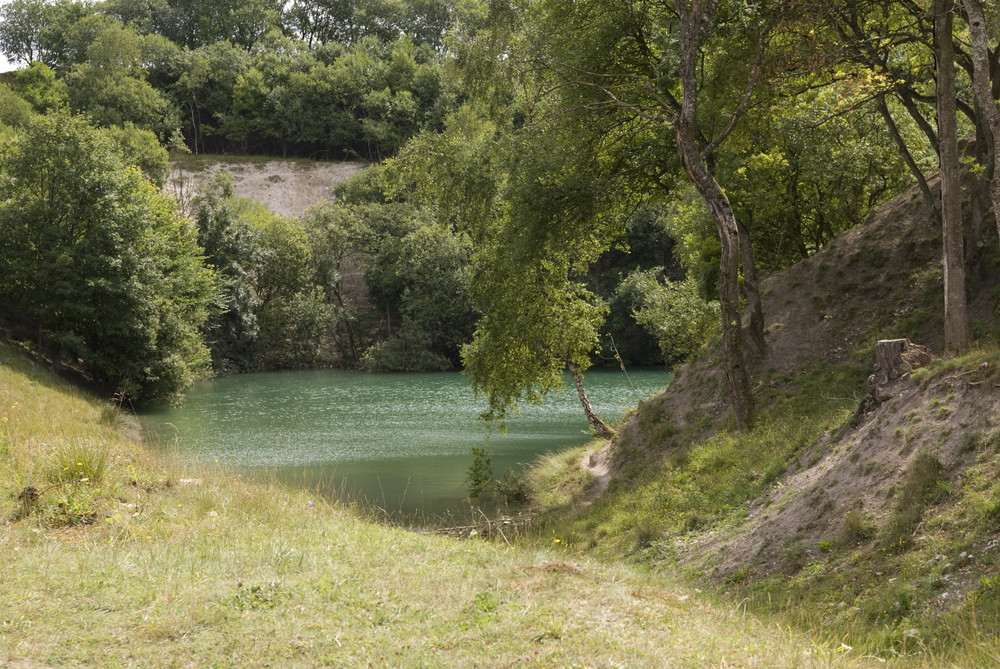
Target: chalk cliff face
{"points": [[287, 187]]}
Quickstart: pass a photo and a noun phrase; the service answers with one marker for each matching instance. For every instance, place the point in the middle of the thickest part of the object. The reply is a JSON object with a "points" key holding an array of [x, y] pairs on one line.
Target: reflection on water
{"points": [[402, 441]]}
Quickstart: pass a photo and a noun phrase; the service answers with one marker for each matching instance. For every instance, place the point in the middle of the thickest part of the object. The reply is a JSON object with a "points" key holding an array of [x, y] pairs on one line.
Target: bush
{"points": [[100, 262], [514, 487], [671, 311], [479, 476]]}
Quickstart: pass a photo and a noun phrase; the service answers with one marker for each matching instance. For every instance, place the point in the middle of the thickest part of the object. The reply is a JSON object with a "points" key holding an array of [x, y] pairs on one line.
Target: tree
{"points": [[984, 86], [111, 86], [673, 311], [897, 45], [22, 23], [38, 84], [232, 250], [204, 89], [195, 24], [956, 326], [335, 232], [654, 79], [536, 221], [270, 313], [99, 263], [15, 111], [423, 277], [695, 18]]}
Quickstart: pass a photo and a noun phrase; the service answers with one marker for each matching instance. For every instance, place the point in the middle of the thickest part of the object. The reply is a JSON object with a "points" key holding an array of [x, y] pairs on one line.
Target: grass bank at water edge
{"points": [[119, 559]]}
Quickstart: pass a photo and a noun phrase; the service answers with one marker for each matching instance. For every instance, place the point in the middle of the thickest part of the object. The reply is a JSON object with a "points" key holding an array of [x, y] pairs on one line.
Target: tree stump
{"points": [[894, 358]]}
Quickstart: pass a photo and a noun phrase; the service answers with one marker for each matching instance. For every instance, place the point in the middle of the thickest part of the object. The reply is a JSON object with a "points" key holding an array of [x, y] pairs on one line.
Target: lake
{"points": [[400, 441]]}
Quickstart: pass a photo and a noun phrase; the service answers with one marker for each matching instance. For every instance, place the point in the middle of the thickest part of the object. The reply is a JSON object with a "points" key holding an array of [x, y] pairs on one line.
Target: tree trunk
{"points": [[753, 330], [956, 331], [904, 151], [984, 95], [599, 425], [693, 22], [893, 359]]}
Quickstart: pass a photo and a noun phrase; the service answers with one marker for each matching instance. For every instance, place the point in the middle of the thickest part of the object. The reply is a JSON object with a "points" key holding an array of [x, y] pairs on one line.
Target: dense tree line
{"points": [[96, 263], [765, 128], [555, 172], [317, 78]]}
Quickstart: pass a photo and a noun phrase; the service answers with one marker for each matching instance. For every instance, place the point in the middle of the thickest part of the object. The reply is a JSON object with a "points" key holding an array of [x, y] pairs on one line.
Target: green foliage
{"points": [[346, 22], [537, 314], [38, 84], [111, 86], [270, 315], [337, 235], [293, 328], [922, 485], [801, 177], [688, 221], [423, 276], [368, 98], [514, 487], [232, 249], [672, 311], [408, 349], [364, 187], [98, 262], [479, 477], [141, 148], [21, 28], [14, 110]]}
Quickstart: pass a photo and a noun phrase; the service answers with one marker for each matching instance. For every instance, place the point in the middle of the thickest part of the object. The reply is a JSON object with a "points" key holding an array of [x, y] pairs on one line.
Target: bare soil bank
{"points": [[287, 187]]}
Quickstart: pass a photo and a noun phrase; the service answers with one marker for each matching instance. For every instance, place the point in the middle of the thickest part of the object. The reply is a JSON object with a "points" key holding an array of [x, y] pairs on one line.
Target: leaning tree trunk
{"points": [[694, 21], [753, 330], [956, 330], [904, 151], [984, 94], [599, 425]]}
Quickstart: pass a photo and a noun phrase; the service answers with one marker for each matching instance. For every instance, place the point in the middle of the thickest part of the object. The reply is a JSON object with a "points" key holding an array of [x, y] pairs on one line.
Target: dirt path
{"points": [[287, 187], [598, 463]]}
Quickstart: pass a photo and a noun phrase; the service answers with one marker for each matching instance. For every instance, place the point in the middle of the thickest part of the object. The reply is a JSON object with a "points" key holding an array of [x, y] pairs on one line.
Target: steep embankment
{"points": [[888, 521]]}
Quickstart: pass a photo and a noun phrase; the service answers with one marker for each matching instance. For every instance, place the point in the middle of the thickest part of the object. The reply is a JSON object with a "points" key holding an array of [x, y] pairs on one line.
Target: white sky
{"points": [[4, 65]]}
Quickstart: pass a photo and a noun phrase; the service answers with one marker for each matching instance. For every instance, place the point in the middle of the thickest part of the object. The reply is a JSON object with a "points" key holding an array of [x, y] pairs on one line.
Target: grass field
{"points": [[118, 559]]}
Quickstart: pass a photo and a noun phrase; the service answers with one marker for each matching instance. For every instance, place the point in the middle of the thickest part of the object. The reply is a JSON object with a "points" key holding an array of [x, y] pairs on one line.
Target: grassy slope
{"points": [[137, 565], [885, 533]]}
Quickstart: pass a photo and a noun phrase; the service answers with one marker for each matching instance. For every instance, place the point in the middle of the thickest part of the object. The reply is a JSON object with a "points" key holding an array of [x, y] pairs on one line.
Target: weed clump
{"points": [[855, 529], [922, 486]]}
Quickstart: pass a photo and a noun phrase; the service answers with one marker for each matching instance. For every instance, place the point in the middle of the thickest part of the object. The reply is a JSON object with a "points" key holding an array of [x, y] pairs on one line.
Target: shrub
{"points": [[513, 486], [922, 485], [479, 476]]}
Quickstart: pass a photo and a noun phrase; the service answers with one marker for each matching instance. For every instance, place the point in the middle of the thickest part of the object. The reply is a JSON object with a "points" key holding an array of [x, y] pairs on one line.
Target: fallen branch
{"points": [[487, 527]]}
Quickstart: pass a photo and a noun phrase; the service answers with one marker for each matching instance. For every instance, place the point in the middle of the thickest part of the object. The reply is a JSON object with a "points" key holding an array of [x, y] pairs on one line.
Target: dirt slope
{"points": [[880, 280]]}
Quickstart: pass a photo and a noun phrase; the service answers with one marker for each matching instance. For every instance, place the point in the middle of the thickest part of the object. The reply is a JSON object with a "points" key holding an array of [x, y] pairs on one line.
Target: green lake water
{"points": [[400, 441]]}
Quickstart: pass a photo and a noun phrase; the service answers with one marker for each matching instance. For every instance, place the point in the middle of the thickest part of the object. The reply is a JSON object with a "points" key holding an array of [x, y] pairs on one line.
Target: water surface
{"points": [[401, 441]]}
